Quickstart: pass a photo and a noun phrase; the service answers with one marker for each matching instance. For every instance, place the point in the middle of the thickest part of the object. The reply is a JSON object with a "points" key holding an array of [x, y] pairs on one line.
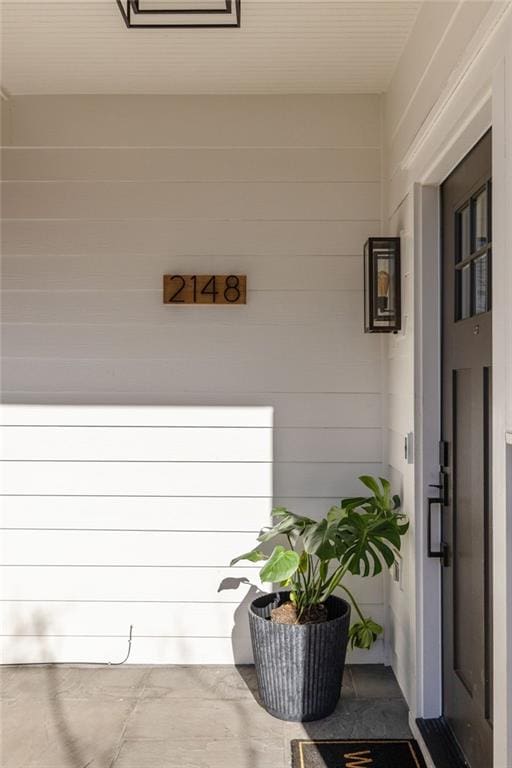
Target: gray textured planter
{"points": [[299, 667]]}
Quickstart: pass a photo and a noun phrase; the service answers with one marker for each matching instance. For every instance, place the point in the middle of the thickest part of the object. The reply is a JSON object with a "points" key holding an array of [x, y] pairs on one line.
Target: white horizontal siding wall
{"points": [[131, 523], [101, 197]]}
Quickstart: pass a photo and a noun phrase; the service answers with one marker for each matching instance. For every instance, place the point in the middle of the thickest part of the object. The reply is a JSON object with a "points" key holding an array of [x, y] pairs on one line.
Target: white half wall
{"points": [[104, 527]]}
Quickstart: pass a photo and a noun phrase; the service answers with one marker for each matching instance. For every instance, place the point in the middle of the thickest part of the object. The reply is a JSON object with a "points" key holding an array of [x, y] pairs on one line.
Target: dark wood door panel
{"points": [[466, 371], [465, 533]]}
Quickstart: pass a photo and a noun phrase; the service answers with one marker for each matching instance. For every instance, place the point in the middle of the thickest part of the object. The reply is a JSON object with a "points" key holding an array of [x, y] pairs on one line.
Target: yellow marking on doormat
{"points": [[358, 759]]}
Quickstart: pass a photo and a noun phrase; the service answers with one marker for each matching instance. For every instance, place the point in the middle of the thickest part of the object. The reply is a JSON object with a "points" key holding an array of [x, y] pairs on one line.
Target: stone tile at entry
{"points": [[49, 682], [201, 719], [177, 717], [39, 683], [192, 682], [61, 733], [212, 682], [357, 718], [373, 681], [200, 753]]}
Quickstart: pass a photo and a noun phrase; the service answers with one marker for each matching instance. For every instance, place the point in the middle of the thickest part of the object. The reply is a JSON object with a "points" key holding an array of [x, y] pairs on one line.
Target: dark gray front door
{"points": [[466, 430]]}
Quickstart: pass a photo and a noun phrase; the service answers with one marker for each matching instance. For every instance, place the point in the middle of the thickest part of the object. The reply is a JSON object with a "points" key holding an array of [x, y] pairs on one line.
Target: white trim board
{"points": [[427, 417]]}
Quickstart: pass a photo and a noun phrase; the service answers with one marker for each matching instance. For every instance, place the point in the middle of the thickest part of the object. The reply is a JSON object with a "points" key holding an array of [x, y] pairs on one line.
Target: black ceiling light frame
{"points": [[136, 16]]}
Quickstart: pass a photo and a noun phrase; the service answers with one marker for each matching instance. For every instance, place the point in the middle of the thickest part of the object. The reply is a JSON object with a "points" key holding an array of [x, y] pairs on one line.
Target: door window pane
{"points": [[464, 234], [481, 219], [481, 284], [465, 292], [473, 249]]}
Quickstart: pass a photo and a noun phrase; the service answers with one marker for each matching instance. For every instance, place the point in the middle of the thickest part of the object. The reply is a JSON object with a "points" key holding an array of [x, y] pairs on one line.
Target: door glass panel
{"points": [[464, 276], [473, 249], [481, 284], [481, 235], [464, 234]]}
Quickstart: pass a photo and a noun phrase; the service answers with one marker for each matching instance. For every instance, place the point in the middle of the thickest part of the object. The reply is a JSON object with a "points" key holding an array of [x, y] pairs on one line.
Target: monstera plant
{"points": [[300, 632], [311, 558]]}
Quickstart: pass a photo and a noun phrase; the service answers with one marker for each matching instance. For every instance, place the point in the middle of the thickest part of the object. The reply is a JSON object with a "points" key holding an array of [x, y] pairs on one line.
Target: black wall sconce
{"points": [[382, 300], [167, 14]]}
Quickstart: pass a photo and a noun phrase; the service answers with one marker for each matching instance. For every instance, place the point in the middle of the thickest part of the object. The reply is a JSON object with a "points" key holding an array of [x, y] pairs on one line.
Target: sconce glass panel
{"points": [[382, 304]]}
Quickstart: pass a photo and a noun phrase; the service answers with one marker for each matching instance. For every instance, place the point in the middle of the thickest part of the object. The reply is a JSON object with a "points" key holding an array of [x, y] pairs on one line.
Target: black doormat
{"points": [[356, 753]]}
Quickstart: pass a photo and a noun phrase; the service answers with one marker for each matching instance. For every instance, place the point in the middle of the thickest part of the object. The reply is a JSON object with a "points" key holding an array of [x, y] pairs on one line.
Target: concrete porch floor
{"points": [[173, 717]]}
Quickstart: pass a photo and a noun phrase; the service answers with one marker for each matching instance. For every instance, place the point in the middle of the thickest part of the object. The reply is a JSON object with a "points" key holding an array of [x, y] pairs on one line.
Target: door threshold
{"points": [[441, 743]]}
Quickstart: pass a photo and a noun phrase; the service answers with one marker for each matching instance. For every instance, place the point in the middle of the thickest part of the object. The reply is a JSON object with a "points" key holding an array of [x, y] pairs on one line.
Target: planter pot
{"points": [[299, 667]]}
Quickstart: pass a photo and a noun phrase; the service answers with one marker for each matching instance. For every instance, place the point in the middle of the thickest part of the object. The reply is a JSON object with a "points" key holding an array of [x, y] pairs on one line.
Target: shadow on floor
{"points": [[371, 705]]}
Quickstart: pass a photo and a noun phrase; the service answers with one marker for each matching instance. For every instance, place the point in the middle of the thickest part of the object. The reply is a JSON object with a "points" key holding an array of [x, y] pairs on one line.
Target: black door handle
{"points": [[442, 552]]}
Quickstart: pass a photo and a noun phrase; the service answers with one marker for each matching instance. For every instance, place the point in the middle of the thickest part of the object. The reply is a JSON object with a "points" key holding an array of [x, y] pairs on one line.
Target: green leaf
{"points": [[288, 524], [386, 494], [381, 501], [280, 512], [352, 502], [336, 514], [316, 535], [303, 562], [386, 485], [255, 556], [364, 633], [366, 540], [326, 551], [266, 534], [371, 483], [280, 529], [282, 564]]}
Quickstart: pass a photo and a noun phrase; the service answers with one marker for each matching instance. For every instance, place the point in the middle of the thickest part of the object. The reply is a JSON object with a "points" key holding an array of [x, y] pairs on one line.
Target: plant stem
{"points": [[335, 580], [353, 601], [312, 586], [319, 586]]}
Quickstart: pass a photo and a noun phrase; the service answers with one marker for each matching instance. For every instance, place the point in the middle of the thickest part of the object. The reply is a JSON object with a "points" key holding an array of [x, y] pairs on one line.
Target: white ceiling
{"points": [[283, 46]]}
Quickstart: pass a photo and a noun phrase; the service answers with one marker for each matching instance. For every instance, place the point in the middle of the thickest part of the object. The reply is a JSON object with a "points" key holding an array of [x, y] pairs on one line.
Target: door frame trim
{"points": [[478, 104], [427, 384], [427, 420]]}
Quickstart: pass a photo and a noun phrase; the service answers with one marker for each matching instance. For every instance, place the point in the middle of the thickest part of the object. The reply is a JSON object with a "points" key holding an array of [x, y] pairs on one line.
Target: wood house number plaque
{"points": [[205, 289]]}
